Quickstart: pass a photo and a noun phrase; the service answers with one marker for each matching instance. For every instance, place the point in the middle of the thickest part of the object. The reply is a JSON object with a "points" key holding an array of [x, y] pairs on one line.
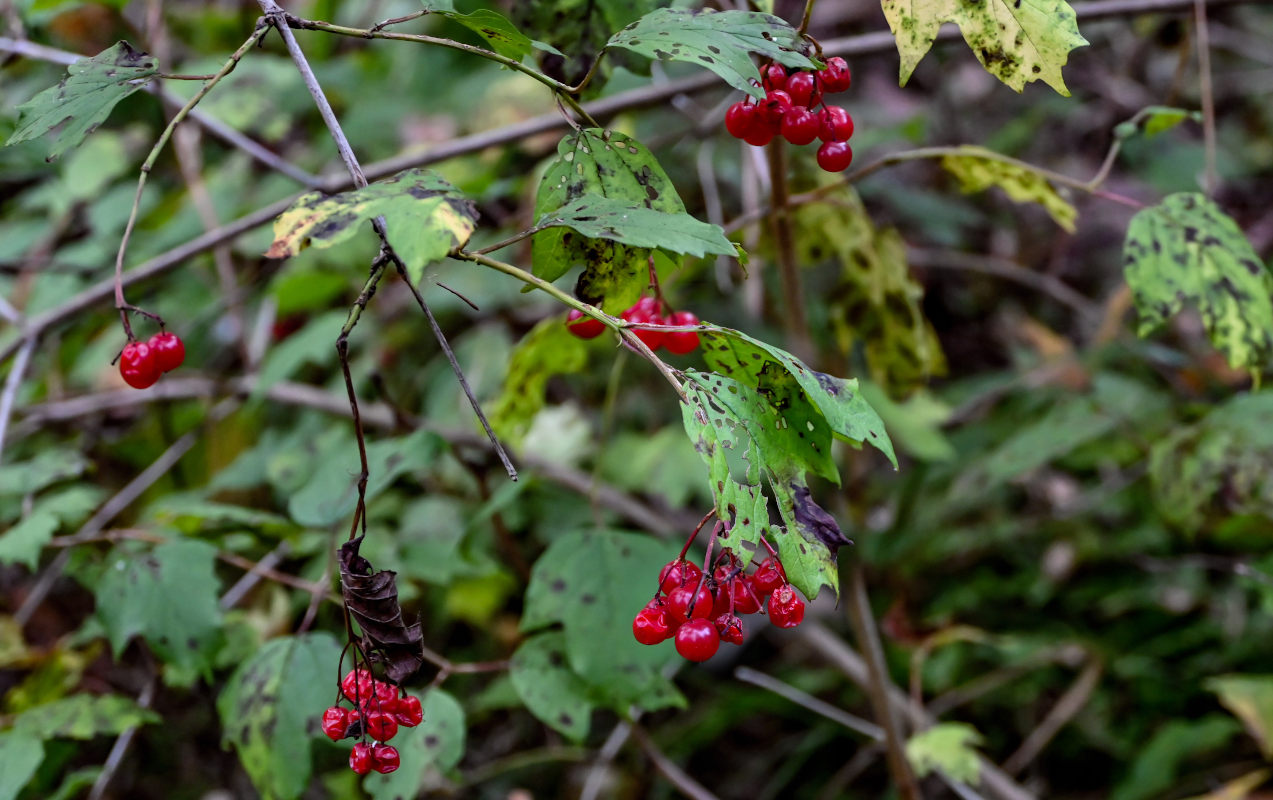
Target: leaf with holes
{"points": [[435, 745], [721, 41], [371, 596], [168, 595], [425, 218], [612, 165], [85, 97], [1186, 250], [270, 710], [501, 34], [598, 217], [978, 169], [549, 688], [548, 349], [1017, 41]]}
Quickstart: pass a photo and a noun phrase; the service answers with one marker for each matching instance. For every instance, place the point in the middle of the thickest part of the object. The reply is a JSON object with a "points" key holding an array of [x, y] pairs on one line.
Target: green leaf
{"points": [[23, 543], [599, 217], [502, 35], [331, 494], [85, 97], [947, 746], [721, 41], [21, 755], [548, 349], [270, 708], [47, 468], [169, 595], [580, 30], [435, 744], [549, 688], [1153, 120], [83, 716], [978, 169], [1186, 250], [1017, 41], [1250, 698], [425, 217], [1154, 771], [592, 583], [609, 164], [915, 425]]}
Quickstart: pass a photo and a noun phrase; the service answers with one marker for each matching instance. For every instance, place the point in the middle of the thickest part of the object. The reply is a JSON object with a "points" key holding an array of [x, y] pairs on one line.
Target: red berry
{"points": [[409, 713], [336, 723], [746, 598], [680, 600], [774, 77], [768, 576], [835, 156], [385, 693], [681, 342], [650, 626], [835, 125], [730, 628], [583, 326], [786, 609], [646, 311], [800, 125], [761, 134], [358, 685], [803, 88], [381, 726], [677, 573], [137, 365], [740, 119], [836, 77], [360, 758], [774, 106], [697, 640], [384, 758], [168, 349]]}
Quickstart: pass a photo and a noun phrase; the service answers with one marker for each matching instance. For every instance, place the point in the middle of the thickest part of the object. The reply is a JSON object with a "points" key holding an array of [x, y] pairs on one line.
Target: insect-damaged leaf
{"points": [[544, 681], [1186, 250], [372, 598], [721, 41], [978, 169], [599, 217], [548, 349], [425, 217], [609, 164], [1017, 41], [85, 97], [502, 35]]}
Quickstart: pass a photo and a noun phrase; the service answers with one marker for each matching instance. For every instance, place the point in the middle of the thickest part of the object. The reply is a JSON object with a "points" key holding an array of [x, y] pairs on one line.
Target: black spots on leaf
{"points": [[1036, 69], [713, 49], [557, 586], [432, 742], [1191, 234], [587, 599], [422, 192], [565, 719], [829, 384]]}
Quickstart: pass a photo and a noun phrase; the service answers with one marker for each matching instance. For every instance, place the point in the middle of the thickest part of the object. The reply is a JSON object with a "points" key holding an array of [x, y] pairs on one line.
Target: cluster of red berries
{"points": [[788, 110], [378, 711], [647, 311], [701, 611], [141, 363]]}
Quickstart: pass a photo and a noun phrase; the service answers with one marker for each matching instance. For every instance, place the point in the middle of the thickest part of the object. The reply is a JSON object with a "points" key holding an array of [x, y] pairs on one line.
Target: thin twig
{"points": [[123, 742], [595, 782], [11, 385], [793, 318], [678, 777], [253, 576], [805, 700], [1210, 177], [1067, 706], [1005, 268]]}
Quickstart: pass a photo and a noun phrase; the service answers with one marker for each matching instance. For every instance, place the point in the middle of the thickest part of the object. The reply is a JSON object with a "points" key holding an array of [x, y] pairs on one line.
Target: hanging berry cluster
{"points": [[141, 363], [647, 311], [701, 610], [790, 110], [378, 710]]}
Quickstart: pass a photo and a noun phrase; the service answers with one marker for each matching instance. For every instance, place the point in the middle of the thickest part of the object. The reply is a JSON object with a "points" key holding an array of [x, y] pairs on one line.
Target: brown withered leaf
{"points": [[371, 596]]}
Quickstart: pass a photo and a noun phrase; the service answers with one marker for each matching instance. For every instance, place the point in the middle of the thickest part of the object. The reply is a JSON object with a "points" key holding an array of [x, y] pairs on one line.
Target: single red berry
{"points": [[360, 758], [137, 365], [646, 312], [835, 156], [740, 119], [681, 342], [336, 723], [683, 603], [385, 693], [768, 576], [774, 106], [836, 77], [381, 726], [358, 685], [384, 758], [746, 599], [835, 125], [409, 713], [761, 134], [730, 628], [803, 88], [774, 76], [677, 573], [650, 626], [583, 326], [800, 125], [697, 640], [168, 349], [786, 609]]}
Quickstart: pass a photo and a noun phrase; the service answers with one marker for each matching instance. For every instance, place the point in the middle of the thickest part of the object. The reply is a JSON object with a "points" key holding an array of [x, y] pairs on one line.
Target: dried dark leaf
{"points": [[813, 518], [372, 598]]}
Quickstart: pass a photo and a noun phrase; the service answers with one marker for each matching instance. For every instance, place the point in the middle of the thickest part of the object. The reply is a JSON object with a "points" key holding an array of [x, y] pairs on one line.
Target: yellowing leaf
{"points": [[1250, 698], [947, 746], [1017, 41], [978, 169]]}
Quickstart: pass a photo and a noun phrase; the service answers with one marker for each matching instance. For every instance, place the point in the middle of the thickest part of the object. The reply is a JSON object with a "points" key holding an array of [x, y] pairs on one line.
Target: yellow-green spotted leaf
{"points": [[85, 97], [1185, 250], [548, 349], [978, 169], [1017, 41], [425, 217]]}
